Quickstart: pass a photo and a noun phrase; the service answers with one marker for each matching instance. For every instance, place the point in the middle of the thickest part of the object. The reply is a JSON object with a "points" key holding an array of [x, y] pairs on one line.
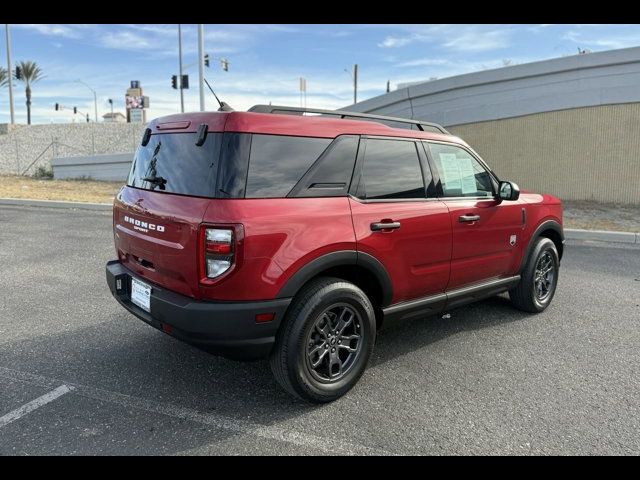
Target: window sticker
{"points": [[468, 176], [450, 171]]}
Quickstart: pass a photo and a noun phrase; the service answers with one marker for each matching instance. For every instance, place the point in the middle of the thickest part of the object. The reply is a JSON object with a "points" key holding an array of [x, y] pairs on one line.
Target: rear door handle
{"points": [[468, 218], [376, 227]]}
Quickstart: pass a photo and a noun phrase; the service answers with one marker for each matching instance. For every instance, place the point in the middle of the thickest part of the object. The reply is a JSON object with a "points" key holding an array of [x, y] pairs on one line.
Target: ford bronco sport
{"points": [[278, 233]]}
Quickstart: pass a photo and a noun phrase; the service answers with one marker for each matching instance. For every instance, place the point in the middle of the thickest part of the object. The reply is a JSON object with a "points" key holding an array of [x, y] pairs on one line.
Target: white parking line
{"points": [[33, 405], [243, 427]]}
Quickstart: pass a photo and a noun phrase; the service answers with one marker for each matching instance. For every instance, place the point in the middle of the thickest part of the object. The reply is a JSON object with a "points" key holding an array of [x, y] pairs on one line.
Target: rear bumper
{"points": [[228, 329]]}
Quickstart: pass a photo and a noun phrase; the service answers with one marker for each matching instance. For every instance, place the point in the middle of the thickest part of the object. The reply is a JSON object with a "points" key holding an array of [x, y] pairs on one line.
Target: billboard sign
{"points": [[134, 101]]}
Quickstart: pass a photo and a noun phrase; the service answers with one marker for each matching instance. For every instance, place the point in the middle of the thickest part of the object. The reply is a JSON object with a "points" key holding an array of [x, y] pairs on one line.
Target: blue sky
{"points": [[266, 61]]}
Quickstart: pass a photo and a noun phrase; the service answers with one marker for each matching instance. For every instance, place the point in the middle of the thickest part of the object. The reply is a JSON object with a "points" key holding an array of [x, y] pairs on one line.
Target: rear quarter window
{"points": [[277, 163]]}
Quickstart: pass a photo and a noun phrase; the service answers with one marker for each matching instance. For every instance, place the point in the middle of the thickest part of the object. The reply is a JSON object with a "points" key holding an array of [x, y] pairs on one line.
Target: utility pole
{"points": [[201, 63], [303, 92], [9, 70], [180, 67], [355, 83], [95, 99]]}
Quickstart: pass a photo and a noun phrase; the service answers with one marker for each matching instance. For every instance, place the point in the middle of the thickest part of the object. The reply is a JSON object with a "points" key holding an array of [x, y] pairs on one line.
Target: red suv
{"points": [[278, 233]]}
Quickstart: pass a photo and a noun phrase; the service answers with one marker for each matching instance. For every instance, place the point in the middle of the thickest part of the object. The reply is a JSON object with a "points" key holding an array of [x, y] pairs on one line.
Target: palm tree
{"points": [[30, 73], [4, 78]]}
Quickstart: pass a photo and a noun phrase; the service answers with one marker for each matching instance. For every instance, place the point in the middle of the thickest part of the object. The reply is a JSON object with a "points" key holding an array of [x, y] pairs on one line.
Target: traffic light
{"points": [[18, 73], [225, 64], [87, 118], [57, 107], [75, 110], [206, 60], [185, 81], [174, 81]]}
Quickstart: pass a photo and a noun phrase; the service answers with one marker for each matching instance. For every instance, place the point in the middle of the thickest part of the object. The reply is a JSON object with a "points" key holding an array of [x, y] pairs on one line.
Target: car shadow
{"points": [[401, 337]]}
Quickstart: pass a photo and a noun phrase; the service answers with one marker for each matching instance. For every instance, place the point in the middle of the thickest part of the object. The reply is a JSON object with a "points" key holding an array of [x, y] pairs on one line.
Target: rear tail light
{"points": [[218, 250]]}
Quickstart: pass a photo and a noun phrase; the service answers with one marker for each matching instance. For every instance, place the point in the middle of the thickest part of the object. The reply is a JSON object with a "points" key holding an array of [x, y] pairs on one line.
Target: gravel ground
{"points": [[601, 216], [14, 186]]}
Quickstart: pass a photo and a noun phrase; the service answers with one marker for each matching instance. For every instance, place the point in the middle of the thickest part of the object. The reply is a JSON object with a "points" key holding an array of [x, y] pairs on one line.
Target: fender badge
{"points": [[512, 240]]}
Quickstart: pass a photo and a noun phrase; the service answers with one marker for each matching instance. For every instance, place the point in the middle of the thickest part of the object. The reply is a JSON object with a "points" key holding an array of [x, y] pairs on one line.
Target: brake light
{"points": [[218, 251]]}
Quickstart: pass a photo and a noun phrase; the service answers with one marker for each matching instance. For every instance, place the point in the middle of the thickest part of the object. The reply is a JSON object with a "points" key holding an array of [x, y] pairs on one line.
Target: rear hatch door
{"points": [[158, 213]]}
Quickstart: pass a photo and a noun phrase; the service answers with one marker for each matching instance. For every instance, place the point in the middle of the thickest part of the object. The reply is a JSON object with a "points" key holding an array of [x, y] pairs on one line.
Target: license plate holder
{"points": [[141, 294]]}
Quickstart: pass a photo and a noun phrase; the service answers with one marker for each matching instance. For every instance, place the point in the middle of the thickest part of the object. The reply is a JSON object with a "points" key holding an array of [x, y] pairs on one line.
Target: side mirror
{"points": [[509, 191]]}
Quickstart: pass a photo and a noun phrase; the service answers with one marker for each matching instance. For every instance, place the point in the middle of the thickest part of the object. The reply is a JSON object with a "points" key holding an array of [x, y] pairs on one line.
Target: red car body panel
{"points": [[418, 255], [482, 250]]}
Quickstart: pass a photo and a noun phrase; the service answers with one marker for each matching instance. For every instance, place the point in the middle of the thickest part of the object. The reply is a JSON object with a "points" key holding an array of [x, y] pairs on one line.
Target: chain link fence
{"points": [[25, 148]]}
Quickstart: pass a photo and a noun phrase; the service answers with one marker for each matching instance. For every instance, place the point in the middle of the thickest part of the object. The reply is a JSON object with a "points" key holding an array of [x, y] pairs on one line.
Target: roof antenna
{"points": [[224, 107]]}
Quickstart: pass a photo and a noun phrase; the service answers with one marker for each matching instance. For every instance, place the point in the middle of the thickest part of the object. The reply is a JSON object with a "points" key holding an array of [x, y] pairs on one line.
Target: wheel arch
{"points": [[361, 269], [550, 229]]}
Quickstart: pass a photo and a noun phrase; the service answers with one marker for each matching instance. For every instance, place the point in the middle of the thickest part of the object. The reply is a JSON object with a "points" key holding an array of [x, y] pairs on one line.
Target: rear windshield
{"points": [[173, 163], [241, 165]]}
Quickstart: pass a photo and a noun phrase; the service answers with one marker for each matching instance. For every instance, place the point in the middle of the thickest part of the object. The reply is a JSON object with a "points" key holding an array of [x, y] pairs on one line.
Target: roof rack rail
{"points": [[345, 114]]}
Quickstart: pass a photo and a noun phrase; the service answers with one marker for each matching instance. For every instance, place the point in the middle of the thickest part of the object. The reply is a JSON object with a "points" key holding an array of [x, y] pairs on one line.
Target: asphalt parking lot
{"points": [[85, 377]]}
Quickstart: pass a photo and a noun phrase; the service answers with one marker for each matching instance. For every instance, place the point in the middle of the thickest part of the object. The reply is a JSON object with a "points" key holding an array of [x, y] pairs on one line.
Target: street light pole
{"points": [[95, 100], [180, 67], [201, 63], [9, 70], [355, 83]]}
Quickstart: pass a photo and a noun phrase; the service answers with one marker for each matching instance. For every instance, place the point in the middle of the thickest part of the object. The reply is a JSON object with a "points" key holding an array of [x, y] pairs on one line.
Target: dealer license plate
{"points": [[141, 294]]}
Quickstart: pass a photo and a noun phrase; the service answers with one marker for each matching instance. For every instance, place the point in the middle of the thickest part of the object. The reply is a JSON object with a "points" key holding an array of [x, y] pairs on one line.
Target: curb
{"points": [[602, 236], [55, 204]]}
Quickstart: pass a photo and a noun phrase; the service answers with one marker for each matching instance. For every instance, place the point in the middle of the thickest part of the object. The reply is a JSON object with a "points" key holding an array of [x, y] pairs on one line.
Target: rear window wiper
{"points": [[159, 181]]}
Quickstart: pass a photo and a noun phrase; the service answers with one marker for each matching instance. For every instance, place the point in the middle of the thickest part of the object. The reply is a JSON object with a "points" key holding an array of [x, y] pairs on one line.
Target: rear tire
{"points": [[539, 278], [325, 341]]}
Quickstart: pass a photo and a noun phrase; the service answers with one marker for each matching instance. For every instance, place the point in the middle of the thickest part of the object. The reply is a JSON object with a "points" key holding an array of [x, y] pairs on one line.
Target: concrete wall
{"points": [[590, 153], [21, 144], [111, 167], [568, 126]]}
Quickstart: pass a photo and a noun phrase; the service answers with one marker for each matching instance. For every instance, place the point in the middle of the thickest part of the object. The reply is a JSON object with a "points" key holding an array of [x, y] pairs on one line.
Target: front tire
{"points": [[325, 342], [539, 278]]}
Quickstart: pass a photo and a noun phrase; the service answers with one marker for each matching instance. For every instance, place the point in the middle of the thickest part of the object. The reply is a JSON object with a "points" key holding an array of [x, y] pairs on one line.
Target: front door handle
{"points": [[468, 218], [376, 227]]}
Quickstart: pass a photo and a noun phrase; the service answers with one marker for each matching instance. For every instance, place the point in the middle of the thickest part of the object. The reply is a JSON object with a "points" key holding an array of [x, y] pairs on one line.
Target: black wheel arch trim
{"points": [[546, 225], [339, 259]]}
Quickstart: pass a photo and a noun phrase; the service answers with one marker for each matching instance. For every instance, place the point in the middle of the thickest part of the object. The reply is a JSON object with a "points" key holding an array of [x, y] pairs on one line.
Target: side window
{"points": [[330, 175], [461, 175], [234, 161], [277, 162], [391, 170]]}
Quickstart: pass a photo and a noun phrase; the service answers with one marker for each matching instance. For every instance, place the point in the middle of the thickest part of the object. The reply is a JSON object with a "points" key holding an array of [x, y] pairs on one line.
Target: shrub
{"points": [[43, 172]]}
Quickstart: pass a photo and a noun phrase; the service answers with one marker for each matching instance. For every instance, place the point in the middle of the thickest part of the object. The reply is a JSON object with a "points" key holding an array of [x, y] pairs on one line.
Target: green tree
{"points": [[30, 73], [4, 78]]}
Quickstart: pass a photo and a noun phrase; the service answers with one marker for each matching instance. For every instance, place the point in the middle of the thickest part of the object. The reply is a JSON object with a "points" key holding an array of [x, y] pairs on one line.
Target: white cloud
{"points": [[460, 38], [605, 41], [423, 62], [476, 40], [395, 42], [66, 31], [124, 41]]}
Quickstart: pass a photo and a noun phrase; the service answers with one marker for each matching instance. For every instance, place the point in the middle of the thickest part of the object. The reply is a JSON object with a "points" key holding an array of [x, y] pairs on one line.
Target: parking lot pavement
{"points": [[488, 380]]}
